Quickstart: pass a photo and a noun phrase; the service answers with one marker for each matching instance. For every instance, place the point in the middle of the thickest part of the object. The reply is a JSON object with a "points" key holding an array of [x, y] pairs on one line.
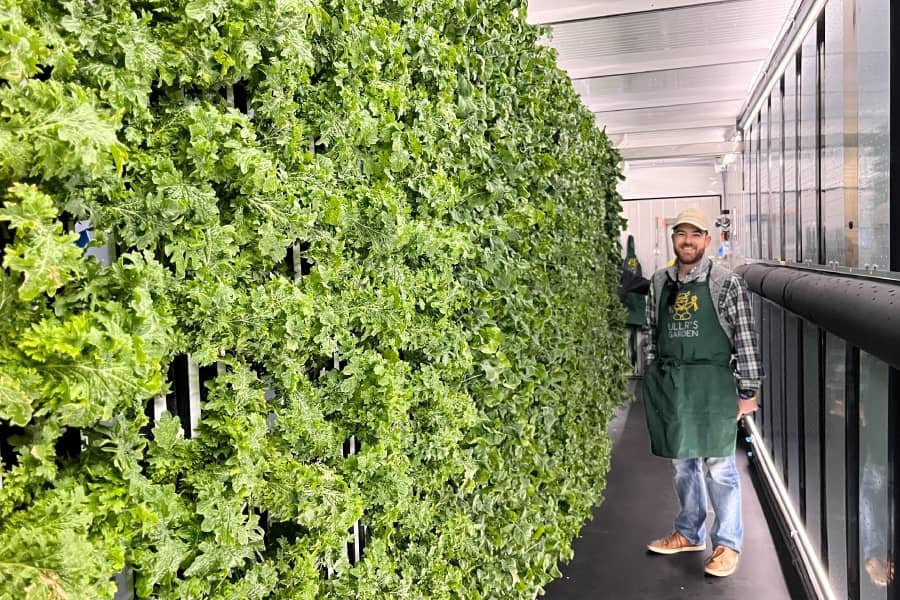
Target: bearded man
{"points": [[702, 376]]}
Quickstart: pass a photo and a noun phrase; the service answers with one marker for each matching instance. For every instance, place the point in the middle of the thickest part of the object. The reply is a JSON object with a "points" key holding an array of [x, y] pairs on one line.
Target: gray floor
{"points": [[611, 560]]}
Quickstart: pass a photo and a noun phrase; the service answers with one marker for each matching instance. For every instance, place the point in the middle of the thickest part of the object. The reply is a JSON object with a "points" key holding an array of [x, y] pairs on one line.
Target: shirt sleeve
{"points": [[739, 312]]}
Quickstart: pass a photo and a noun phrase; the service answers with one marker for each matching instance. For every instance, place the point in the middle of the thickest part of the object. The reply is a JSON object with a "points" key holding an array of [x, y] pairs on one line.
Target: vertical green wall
{"points": [[448, 301]]}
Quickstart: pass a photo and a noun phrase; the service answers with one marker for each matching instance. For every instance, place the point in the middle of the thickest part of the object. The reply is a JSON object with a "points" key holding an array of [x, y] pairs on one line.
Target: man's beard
{"points": [[698, 256]]}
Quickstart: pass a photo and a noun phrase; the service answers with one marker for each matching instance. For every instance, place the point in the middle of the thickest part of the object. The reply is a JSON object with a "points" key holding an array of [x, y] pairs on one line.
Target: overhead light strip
{"points": [[811, 562], [774, 76]]}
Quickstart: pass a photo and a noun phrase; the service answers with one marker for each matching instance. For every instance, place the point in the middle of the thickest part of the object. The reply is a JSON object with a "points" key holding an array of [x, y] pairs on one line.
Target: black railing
{"points": [[848, 312], [863, 311]]}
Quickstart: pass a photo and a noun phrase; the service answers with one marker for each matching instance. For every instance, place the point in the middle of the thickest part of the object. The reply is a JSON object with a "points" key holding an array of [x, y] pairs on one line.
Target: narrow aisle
{"points": [[611, 559]]}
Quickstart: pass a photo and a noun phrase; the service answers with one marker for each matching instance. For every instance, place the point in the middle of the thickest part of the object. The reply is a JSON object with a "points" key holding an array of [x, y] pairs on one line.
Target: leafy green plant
{"points": [[452, 218]]}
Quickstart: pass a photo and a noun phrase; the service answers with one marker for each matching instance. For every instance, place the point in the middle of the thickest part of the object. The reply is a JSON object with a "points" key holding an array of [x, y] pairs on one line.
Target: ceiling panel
{"points": [[662, 75], [667, 87], [735, 22], [556, 11]]}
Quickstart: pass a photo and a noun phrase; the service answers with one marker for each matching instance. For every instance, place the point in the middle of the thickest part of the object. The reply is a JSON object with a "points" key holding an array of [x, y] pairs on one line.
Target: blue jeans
{"points": [[723, 484], [873, 511]]}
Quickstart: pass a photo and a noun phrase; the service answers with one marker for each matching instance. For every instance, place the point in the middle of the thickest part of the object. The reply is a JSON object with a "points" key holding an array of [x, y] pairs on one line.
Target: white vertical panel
{"points": [[297, 250], [159, 407], [193, 393]]}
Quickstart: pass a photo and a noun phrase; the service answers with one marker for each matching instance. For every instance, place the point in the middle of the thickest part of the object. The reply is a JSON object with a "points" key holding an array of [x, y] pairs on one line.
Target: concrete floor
{"points": [[611, 559]]}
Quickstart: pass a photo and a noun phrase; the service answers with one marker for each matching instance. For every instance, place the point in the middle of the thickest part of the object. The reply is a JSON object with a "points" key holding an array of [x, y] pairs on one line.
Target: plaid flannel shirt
{"points": [[734, 309]]}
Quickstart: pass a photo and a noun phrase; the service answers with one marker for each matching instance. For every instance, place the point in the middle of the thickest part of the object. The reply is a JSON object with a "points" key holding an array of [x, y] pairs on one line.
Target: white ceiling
{"points": [[664, 77]]}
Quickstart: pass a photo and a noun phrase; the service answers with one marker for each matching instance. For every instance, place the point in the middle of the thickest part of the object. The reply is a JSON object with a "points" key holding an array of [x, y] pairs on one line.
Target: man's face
{"points": [[689, 243]]}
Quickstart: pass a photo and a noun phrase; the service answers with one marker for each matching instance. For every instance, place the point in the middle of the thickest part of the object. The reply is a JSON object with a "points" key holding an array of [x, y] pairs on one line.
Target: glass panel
{"points": [[874, 500], [833, 135], [790, 162], [874, 132], [765, 160], [792, 400], [808, 117], [733, 195], [835, 458], [811, 433], [754, 190], [776, 169], [744, 224]]}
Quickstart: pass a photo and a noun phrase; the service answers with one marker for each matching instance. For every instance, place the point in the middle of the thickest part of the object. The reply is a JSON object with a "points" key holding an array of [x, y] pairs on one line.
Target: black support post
{"points": [[757, 192], [800, 146], [783, 385], [895, 174], [894, 377], [820, 121], [801, 419], [893, 471], [823, 448], [851, 469], [178, 399], [781, 194]]}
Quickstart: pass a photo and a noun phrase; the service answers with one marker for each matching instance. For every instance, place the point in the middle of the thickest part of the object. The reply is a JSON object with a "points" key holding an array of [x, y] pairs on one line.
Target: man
{"points": [[633, 290], [702, 378]]}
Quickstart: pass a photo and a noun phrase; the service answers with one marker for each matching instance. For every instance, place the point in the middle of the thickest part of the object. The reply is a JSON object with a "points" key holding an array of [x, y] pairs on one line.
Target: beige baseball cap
{"points": [[692, 216]]}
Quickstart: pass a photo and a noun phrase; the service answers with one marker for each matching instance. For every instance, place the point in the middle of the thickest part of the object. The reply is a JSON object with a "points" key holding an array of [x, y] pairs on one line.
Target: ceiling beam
{"points": [[548, 12], [681, 151], [729, 63], [667, 137], [621, 103], [696, 123]]}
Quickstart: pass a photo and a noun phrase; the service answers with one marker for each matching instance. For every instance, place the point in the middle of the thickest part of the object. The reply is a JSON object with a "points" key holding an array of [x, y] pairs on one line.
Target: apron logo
{"points": [[632, 264], [684, 303]]}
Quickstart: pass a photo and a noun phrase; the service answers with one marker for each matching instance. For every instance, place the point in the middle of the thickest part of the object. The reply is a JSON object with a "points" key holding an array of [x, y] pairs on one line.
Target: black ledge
{"points": [[864, 312]]}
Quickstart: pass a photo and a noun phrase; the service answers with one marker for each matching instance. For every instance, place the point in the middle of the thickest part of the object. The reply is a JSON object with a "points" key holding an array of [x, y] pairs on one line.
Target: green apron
{"points": [[635, 304], [689, 389]]}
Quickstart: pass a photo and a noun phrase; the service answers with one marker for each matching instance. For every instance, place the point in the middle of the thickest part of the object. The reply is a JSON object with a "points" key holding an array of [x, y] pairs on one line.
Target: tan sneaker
{"points": [[880, 572], [673, 544], [723, 562]]}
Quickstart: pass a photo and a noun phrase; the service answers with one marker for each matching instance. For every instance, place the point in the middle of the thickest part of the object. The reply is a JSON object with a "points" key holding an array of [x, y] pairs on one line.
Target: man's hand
{"points": [[745, 407]]}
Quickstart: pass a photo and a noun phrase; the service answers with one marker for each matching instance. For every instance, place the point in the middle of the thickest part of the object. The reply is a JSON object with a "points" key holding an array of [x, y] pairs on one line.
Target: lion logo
{"points": [[685, 302]]}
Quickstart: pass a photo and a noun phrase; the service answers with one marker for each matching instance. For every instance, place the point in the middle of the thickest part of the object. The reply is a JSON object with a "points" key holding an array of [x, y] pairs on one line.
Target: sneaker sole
{"points": [[660, 550], [720, 573]]}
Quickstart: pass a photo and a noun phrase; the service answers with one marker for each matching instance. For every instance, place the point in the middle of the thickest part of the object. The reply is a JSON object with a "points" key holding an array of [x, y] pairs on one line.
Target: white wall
{"points": [[735, 202], [654, 192], [664, 179]]}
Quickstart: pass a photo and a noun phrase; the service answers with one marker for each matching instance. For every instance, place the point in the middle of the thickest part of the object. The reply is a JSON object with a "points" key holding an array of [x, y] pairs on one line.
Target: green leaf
{"points": [[167, 432], [22, 47], [15, 404], [334, 211], [45, 257], [492, 337]]}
